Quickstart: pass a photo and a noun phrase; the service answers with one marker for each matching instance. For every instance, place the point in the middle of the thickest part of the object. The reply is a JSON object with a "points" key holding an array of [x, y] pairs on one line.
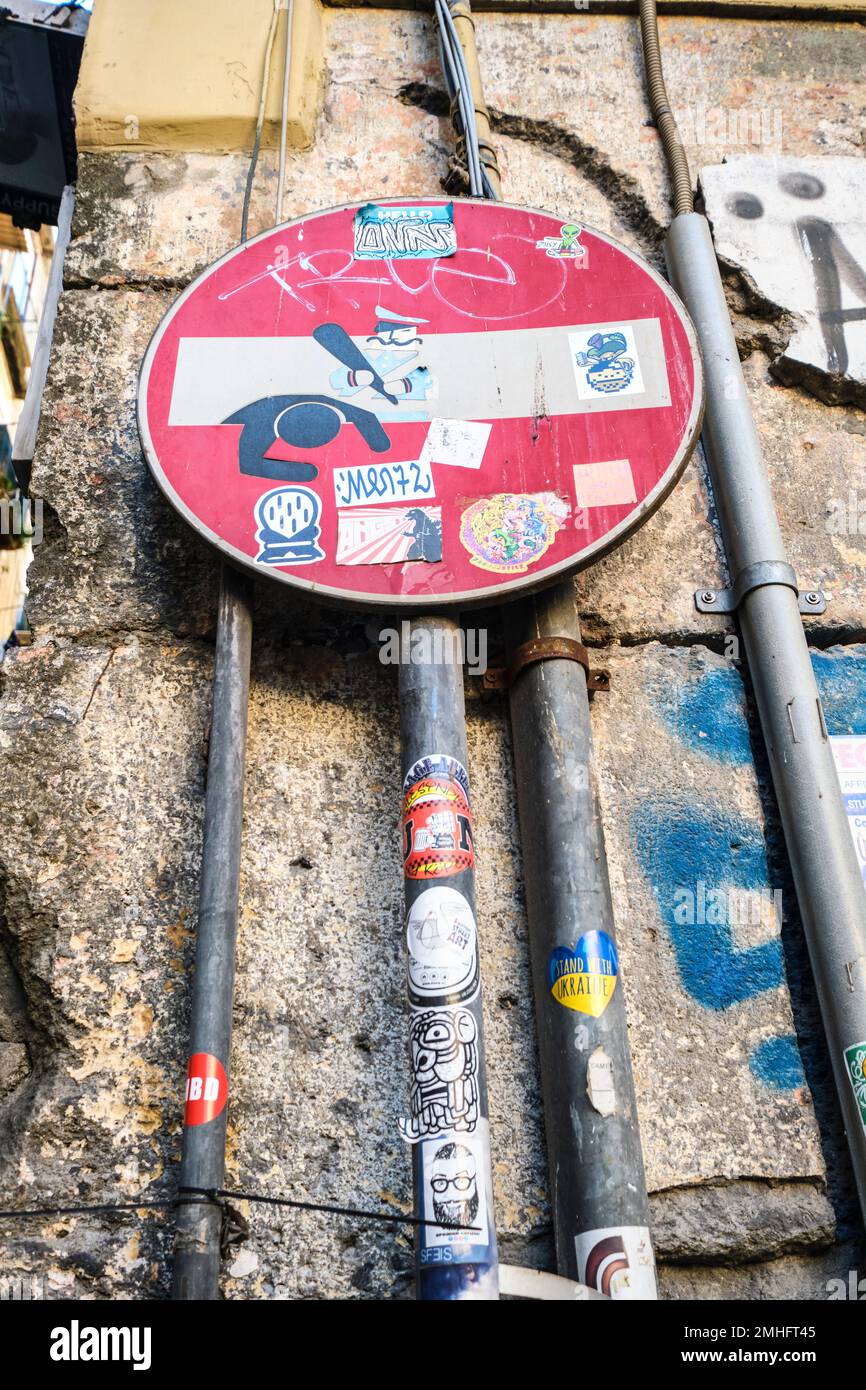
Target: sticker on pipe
{"points": [[583, 977], [207, 1089], [419, 402]]}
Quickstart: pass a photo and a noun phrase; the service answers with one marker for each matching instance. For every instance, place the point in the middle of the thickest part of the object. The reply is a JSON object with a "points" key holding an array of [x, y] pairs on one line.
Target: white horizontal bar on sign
{"points": [[502, 375]]}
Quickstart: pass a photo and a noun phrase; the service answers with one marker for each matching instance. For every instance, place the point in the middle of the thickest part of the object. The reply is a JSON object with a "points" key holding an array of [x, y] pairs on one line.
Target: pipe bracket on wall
{"points": [[757, 576], [545, 649]]}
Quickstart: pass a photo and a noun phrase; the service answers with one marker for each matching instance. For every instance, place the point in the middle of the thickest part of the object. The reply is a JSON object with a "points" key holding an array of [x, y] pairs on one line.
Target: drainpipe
{"points": [[764, 597], [597, 1182], [452, 1171]]}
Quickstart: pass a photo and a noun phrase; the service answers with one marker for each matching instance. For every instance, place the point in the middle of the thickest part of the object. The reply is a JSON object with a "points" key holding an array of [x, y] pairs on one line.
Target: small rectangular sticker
{"points": [[389, 535], [460, 443], [606, 484], [383, 482], [606, 363], [418, 233], [855, 1065]]}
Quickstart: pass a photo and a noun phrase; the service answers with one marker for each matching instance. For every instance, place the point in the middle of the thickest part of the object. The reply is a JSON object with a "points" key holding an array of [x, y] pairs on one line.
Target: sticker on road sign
{"points": [[460, 443], [385, 232], [388, 535], [606, 362], [207, 1089], [384, 482], [508, 533], [307, 375], [288, 532], [607, 484]]}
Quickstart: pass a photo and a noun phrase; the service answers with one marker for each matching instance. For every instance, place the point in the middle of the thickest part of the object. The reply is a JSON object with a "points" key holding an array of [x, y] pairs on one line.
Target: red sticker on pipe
{"points": [[207, 1089], [437, 829]]}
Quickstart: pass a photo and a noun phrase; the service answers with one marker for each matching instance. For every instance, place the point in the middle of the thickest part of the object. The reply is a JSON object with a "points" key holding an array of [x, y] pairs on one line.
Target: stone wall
{"points": [[104, 726]]}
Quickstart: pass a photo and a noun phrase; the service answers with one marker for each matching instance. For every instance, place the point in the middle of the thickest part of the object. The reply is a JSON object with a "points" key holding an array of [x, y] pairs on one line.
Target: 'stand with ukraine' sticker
{"points": [[583, 977]]}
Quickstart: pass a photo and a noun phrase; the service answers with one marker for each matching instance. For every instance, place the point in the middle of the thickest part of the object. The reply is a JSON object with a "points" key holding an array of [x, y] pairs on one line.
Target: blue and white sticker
{"points": [[288, 531], [437, 765], [455, 1193], [413, 233], [606, 362]]}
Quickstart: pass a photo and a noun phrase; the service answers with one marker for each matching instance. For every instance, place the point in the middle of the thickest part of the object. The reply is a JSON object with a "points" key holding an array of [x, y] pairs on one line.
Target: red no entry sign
{"points": [[421, 401]]}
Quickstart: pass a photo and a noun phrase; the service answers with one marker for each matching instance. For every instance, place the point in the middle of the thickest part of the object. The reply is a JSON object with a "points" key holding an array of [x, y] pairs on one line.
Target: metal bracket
{"points": [[545, 649], [756, 577]]}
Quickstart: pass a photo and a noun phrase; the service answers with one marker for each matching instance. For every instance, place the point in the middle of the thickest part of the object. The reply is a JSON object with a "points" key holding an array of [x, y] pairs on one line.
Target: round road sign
{"points": [[421, 402]]}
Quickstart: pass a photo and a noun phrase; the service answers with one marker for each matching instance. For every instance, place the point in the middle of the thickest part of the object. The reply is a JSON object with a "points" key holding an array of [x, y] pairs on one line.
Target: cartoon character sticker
{"points": [[510, 531], [606, 363], [443, 952], [389, 535], [565, 246], [444, 1074], [288, 531]]}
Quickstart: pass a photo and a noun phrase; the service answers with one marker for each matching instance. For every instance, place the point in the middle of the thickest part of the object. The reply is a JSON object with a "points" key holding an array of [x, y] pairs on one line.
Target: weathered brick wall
{"points": [[105, 718]]}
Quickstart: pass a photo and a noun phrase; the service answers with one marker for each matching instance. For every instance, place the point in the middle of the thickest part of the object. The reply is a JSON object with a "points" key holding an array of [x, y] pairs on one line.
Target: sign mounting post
{"points": [[424, 405]]}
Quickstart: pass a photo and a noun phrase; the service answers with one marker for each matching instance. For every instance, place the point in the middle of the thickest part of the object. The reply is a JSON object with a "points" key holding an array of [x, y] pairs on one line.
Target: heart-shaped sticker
{"points": [[583, 977]]}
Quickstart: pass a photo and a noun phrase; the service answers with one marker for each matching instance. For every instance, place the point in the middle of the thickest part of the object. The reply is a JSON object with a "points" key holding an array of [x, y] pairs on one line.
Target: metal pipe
{"points": [[823, 861], [197, 1244], [597, 1183], [448, 1125], [284, 111], [598, 1187], [461, 13]]}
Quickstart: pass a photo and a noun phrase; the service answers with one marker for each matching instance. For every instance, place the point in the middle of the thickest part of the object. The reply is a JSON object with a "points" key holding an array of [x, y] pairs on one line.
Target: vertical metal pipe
{"points": [[197, 1244], [448, 1124], [597, 1184], [823, 861]]}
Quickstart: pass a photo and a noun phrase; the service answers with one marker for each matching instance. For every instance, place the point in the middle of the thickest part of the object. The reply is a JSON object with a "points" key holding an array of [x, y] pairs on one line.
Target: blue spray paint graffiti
{"points": [[777, 1063], [677, 845]]}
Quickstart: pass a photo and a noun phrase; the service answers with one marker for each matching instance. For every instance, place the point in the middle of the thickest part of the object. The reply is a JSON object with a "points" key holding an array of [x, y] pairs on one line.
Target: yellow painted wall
{"points": [[186, 74]]}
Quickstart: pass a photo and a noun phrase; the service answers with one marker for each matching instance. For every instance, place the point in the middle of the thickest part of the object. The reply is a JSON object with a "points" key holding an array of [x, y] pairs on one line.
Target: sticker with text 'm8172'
{"points": [[583, 977]]}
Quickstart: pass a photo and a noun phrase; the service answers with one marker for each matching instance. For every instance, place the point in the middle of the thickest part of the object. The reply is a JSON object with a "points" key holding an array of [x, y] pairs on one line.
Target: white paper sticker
{"points": [[606, 484], [455, 1191], [606, 363], [443, 955], [617, 1261], [599, 1082], [383, 482], [460, 443]]}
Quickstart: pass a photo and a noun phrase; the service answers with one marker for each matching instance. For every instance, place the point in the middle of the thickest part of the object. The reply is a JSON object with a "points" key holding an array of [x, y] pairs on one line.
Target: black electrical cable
{"points": [[678, 165], [214, 1194]]}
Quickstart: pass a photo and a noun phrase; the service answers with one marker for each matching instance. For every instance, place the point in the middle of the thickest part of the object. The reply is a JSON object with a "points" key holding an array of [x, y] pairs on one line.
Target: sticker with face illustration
{"points": [[455, 1193]]}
